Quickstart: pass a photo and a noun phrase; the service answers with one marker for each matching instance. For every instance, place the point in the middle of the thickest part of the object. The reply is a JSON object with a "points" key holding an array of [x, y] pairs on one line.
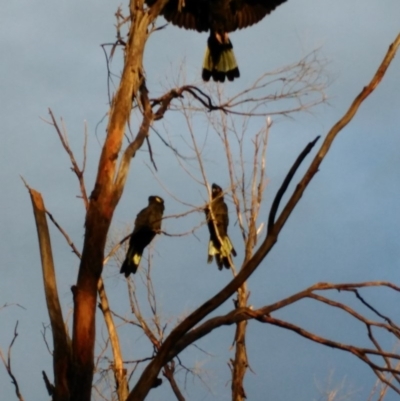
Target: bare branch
{"points": [[61, 343], [312, 170], [75, 168], [136, 144], [66, 236], [7, 364], [151, 153], [45, 339], [286, 182], [371, 307], [115, 248], [168, 372], [118, 365], [241, 314], [49, 386], [6, 305], [361, 353], [296, 82]]}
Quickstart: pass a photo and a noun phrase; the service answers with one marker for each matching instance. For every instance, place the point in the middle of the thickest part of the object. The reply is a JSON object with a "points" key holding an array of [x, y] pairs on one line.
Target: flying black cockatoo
{"points": [[220, 245], [219, 17], [147, 225]]}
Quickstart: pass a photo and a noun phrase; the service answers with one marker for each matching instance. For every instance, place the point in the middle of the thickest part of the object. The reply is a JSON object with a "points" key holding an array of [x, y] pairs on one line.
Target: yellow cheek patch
{"points": [[159, 200]]}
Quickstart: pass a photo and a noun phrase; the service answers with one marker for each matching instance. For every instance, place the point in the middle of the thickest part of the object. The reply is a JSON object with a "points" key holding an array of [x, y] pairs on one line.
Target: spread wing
{"points": [[201, 15], [249, 12], [193, 14]]}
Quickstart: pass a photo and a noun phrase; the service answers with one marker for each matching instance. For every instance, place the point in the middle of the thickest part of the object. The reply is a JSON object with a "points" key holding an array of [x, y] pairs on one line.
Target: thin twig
{"points": [[64, 233], [7, 364], [75, 168]]}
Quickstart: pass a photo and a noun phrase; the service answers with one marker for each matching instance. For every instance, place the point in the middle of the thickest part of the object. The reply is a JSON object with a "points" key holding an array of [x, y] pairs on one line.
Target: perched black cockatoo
{"points": [[220, 245], [219, 17], [147, 225]]}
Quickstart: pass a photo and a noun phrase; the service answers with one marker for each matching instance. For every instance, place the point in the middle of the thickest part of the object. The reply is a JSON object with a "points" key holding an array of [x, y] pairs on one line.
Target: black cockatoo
{"points": [[147, 225], [220, 245], [219, 17]]}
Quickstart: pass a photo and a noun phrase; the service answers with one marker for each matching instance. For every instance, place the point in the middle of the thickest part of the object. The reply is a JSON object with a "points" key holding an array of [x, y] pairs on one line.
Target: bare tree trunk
{"points": [[103, 201], [240, 364]]}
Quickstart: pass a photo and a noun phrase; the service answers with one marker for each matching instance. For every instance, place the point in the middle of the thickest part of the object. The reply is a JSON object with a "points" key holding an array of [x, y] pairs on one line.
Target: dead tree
{"points": [[74, 360]]}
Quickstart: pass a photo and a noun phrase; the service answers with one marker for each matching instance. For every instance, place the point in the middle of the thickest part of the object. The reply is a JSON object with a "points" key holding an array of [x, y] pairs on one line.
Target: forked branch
{"points": [[241, 314], [264, 315]]}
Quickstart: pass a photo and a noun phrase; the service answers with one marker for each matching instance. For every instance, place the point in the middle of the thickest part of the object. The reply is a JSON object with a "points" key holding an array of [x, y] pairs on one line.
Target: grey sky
{"points": [[346, 227]]}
